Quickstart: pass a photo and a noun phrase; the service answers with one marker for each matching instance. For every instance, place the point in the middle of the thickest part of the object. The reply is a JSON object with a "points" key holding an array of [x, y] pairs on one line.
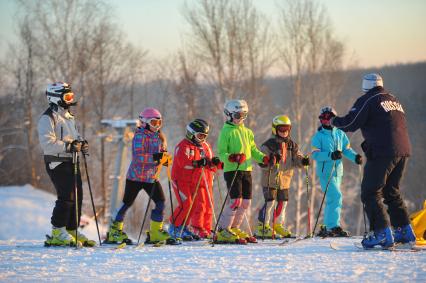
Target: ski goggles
{"points": [[68, 97], [155, 122], [283, 128], [201, 136], [239, 115]]}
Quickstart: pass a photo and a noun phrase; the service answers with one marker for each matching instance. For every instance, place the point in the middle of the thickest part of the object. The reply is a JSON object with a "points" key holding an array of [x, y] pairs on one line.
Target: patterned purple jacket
{"points": [[145, 144]]}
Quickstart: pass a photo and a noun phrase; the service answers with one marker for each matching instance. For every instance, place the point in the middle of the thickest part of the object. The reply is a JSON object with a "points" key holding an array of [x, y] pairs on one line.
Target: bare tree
{"points": [[312, 58]]}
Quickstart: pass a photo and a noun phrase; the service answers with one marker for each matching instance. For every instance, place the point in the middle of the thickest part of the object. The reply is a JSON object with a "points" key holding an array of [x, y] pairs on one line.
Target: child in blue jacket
{"points": [[329, 145]]}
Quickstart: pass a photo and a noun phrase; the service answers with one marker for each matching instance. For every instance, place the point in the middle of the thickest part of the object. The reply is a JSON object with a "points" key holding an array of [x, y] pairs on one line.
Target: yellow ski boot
{"points": [[263, 233], [115, 235], [227, 236], [282, 231], [82, 239], [156, 233], [60, 237]]}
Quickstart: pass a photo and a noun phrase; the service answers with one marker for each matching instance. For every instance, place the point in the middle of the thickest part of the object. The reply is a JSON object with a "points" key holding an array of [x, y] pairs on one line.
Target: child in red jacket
{"points": [[192, 179]]}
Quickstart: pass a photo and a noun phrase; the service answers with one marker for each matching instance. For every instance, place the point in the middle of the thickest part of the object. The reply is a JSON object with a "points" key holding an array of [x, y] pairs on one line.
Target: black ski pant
{"points": [[380, 184], [242, 186], [62, 177], [132, 190]]}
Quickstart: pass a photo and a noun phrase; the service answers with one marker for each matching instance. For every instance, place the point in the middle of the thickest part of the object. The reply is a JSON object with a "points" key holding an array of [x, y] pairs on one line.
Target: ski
{"points": [[396, 248], [287, 242]]}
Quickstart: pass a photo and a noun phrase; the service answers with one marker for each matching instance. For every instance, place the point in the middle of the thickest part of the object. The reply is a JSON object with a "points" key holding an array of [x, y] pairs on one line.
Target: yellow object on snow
{"points": [[418, 221]]}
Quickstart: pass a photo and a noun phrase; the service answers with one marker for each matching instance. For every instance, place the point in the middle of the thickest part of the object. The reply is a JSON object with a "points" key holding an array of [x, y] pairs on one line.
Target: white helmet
{"points": [[236, 106], [60, 93], [328, 109], [370, 81]]}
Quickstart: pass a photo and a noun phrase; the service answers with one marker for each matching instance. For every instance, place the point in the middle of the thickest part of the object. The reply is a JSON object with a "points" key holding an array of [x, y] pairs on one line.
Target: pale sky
{"points": [[377, 32]]}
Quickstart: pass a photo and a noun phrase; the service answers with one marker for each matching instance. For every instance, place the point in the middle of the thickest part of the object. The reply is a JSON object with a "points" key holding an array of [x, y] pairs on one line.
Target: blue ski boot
{"points": [[404, 234], [381, 238], [175, 231]]}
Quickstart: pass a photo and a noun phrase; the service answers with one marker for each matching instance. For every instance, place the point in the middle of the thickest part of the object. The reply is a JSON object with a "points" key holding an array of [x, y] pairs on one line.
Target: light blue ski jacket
{"points": [[323, 143]]}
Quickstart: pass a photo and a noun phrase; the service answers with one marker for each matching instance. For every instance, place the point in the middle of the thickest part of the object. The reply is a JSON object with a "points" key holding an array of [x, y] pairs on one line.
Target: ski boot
{"points": [[226, 236], [381, 238], [156, 234], [404, 235], [186, 235], [263, 233], [323, 232], [115, 235], [85, 242], [243, 235], [60, 237], [200, 232], [282, 231], [339, 232]]}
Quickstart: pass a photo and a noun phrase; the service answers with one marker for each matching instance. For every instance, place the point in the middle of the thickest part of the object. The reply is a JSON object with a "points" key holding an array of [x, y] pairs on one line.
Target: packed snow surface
{"points": [[23, 257]]}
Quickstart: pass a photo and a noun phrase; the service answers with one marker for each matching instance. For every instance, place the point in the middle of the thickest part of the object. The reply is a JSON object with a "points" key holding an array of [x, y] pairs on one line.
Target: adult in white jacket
{"points": [[59, 140]]}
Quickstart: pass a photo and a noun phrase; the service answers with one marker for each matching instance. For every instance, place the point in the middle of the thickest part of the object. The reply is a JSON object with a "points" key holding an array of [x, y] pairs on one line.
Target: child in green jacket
{"points": [[237, 149]]}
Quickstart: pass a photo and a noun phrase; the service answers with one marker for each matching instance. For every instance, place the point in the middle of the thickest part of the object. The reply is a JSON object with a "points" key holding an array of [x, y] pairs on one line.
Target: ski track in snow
{"points": [[23, 257]]}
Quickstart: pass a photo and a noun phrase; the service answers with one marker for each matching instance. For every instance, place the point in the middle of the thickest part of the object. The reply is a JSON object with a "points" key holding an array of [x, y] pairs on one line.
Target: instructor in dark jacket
{"points": [[381, 118]]}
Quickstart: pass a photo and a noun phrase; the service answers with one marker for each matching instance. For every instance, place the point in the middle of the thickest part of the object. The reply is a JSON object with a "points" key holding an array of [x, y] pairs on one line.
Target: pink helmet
{"points": [[148, 114]]}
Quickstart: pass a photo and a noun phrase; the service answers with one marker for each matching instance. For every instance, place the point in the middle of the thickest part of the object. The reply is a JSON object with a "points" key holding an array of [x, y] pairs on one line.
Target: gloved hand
{"points": [[85, 147], [306, 161], [74, 146], [237, 158], [200, 163], [278, 157], [157, 156], [336, 155], [216, 162], [161, 156], [269, 160], [358, 159]]}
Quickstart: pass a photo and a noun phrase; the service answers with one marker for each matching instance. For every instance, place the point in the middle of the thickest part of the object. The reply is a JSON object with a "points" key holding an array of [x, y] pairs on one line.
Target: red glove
{"points": [[237, 158], [269, 160], [216, 162]]}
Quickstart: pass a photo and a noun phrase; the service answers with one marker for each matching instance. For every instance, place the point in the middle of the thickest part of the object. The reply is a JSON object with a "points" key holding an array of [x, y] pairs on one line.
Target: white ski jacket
{"points": [[54, 133]]}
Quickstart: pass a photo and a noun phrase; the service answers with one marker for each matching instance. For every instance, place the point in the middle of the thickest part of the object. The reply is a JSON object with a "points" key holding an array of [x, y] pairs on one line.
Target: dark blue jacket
{"points": [[381, 119]]}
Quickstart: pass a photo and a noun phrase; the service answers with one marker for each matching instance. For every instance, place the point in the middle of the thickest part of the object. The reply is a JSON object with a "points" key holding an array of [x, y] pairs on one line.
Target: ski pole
{"points": [[209, 196], [224, 202], [91, 197], [323, 198], [266, 204], [363, 205], [191, 204], [170, 194], [218, 187], [146, 210], [75, 165], [308, 198]]}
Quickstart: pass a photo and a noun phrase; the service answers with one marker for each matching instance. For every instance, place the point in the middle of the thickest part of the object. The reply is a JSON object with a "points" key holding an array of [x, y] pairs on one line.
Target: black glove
{"points": [[85, 147], [200, 163], [216, 161], [336, 155], [358, 159], [306, 161], [157, 156], [74, 146]]}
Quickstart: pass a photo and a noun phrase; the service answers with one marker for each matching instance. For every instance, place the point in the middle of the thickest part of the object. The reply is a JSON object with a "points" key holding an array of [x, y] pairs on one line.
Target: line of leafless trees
{"points": [[230, 50]]}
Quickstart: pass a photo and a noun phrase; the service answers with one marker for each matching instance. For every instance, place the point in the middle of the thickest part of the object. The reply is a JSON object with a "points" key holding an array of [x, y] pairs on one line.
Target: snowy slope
{"points": [[310, 260]]}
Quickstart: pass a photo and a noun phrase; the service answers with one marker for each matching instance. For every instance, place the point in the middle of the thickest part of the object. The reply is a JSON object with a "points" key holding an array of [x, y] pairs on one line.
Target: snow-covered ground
{"points": [[23, 258]]}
